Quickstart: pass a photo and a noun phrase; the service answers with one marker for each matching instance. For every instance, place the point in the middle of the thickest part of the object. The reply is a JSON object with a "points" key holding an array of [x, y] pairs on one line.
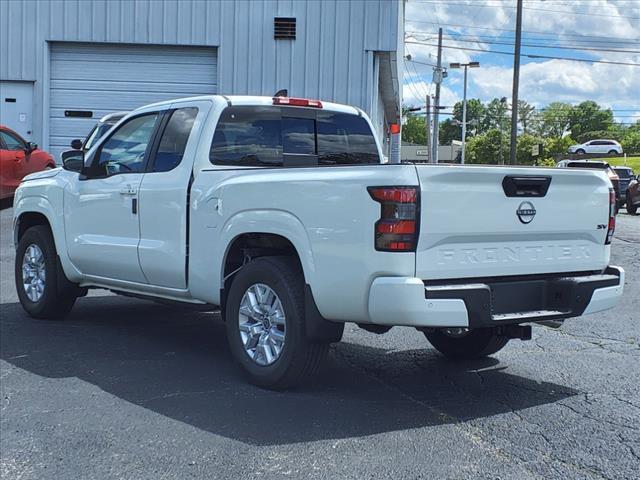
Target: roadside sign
{"points": [[535, 150]]}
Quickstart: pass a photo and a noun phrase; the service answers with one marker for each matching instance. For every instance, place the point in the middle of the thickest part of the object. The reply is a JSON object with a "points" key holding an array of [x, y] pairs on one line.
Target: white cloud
{"points": [[555, 80], [414, 93], [541, 82]]}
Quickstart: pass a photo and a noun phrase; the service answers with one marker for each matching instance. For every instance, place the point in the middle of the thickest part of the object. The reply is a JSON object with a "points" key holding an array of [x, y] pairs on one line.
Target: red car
{"points": [[17, 159]]}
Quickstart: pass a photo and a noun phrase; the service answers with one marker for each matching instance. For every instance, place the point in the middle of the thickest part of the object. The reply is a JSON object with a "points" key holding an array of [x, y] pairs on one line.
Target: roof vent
{"points": [[284, 27]]}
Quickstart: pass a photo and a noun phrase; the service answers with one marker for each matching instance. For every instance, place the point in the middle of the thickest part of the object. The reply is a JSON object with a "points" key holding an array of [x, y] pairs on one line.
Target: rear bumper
{"points": [[494, 302]]}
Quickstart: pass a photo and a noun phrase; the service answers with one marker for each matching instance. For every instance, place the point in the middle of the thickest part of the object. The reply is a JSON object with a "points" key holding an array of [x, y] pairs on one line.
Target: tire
{"points": [[580, 151], [631, 209], [298, 358], [477, 343], [612, 152], [54, 297]]}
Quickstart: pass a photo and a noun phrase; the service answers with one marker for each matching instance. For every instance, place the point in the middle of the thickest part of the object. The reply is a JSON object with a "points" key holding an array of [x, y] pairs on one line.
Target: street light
{"points": [[464, 100]]}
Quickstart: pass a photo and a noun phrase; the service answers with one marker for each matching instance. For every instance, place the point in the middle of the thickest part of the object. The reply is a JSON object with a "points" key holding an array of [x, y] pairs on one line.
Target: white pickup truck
{"points": [[281, 212]]}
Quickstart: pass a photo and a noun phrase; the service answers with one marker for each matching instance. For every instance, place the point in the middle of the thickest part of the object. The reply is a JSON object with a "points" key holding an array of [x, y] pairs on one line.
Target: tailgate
{"points": [[471, 226]]}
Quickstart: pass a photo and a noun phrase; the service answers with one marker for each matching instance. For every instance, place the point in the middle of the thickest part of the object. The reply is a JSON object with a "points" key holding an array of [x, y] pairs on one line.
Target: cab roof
{"points": [[250, 100]]}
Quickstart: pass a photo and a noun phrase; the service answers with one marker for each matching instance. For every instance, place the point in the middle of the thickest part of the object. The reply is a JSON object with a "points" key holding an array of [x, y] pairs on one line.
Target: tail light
{"points": [[397, 228], [612, 216], [297, 102]]}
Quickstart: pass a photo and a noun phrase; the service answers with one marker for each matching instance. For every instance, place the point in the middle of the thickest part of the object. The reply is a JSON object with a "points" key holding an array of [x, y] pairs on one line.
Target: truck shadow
{"points": [[176, 363]]}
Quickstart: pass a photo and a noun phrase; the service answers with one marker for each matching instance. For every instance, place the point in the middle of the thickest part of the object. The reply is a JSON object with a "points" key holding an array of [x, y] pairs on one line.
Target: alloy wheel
{"points": [[33, 273], [261, 320]]}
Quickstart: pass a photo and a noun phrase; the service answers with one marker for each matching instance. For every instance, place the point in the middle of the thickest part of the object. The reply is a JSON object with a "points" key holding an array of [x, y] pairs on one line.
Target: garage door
{"points": [[90, 80]]}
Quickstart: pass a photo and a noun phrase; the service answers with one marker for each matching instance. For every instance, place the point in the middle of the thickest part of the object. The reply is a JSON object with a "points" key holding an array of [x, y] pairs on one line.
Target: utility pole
{"points": [[464, 101], [427, 122], [503, 101], [464, 116], [438, 77], [516, 81]]}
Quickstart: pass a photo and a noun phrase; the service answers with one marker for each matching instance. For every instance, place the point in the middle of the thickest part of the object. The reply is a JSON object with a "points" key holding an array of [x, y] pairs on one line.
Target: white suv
{"points": [[597, 146]]}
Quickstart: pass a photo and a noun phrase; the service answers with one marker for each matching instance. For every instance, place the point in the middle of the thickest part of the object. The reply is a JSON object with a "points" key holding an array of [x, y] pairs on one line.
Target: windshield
{"points": [[96, 133]]}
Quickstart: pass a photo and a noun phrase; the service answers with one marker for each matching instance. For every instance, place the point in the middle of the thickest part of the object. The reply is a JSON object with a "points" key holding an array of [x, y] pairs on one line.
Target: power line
{"points": [[412, 83], [464, 4], [421, 63], [589, 49], [524, 31], [426, 90], [530, 55], [502, 37]]}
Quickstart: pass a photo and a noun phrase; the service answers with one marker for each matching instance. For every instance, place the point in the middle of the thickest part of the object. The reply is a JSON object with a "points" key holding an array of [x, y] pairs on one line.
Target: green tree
{"points": [[485, 148], [555, 146], [555, 119], [526, 115], [588, 117], [414, 130], [497, 115], [631, 141], [449, 130], [475, 114], [524, 148]]}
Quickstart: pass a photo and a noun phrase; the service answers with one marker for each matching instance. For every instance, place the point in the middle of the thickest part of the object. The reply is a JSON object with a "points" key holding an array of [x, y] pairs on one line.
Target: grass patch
{"points": [[633, 162]]}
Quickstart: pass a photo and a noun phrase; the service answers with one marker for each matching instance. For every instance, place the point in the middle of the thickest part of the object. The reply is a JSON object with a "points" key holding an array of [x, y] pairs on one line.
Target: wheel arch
{"points": [[37, 210], [275, 230], [260, 244]]}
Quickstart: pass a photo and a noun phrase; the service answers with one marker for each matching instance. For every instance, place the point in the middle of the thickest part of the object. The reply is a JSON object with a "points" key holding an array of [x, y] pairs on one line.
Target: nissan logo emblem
{"points": [[525, 212]]}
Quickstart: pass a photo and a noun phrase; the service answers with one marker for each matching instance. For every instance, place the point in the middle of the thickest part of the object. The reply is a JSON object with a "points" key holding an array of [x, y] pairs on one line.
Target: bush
{"points": [[631, 142], [546, 162], [557, 145], [485, 148], [523, 149]]}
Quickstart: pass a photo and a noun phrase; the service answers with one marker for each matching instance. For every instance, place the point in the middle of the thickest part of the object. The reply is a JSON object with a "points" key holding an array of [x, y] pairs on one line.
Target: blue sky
{"points": [[601, 30]]}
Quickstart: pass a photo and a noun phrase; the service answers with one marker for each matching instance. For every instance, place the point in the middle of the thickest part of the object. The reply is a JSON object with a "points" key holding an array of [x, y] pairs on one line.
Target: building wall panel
{"points": [[328, 60]]}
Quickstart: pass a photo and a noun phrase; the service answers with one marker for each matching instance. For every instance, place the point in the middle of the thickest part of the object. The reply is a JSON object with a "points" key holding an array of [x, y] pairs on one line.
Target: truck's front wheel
{"points": [[265, 322], [43, 289], [465, 344]]}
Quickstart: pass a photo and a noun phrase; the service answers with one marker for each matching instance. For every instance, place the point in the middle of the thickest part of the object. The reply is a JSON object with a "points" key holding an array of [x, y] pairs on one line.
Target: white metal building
{"points": [[66, 63]]}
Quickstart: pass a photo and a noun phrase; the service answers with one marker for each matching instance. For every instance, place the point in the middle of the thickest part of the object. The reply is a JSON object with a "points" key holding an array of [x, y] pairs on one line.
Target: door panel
{"points": [[101, 213], [16, 104], [14, 166], [102, 230], [163, 198]]}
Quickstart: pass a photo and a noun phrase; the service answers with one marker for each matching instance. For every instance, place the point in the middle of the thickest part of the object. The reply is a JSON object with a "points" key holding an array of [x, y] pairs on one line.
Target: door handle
{"points": [[128, 190]]}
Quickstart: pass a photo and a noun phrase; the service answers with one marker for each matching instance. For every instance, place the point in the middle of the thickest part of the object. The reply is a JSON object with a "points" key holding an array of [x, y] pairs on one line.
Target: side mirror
{"points": [[76, 144], [73, 160], [31, 146]]}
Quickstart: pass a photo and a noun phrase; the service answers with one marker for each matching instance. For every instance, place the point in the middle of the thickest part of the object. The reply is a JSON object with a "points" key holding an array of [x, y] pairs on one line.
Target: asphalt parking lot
{"points": [[131, 389]]}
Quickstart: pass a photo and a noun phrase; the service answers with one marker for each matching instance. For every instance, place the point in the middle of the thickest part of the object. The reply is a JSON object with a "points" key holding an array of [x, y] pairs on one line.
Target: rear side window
{"points": [[597, 165], [276, 136], [12, 142], [174, 139], [345, 140], [624, 172]]}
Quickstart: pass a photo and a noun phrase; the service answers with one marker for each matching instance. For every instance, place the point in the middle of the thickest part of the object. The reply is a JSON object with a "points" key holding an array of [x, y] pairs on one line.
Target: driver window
{"points": [[124, 151]]}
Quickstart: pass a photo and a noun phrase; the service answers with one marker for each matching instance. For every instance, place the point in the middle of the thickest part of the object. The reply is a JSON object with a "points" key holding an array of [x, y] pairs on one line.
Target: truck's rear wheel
{"points": [[265, 322], [465, 344], [43, 289]]}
